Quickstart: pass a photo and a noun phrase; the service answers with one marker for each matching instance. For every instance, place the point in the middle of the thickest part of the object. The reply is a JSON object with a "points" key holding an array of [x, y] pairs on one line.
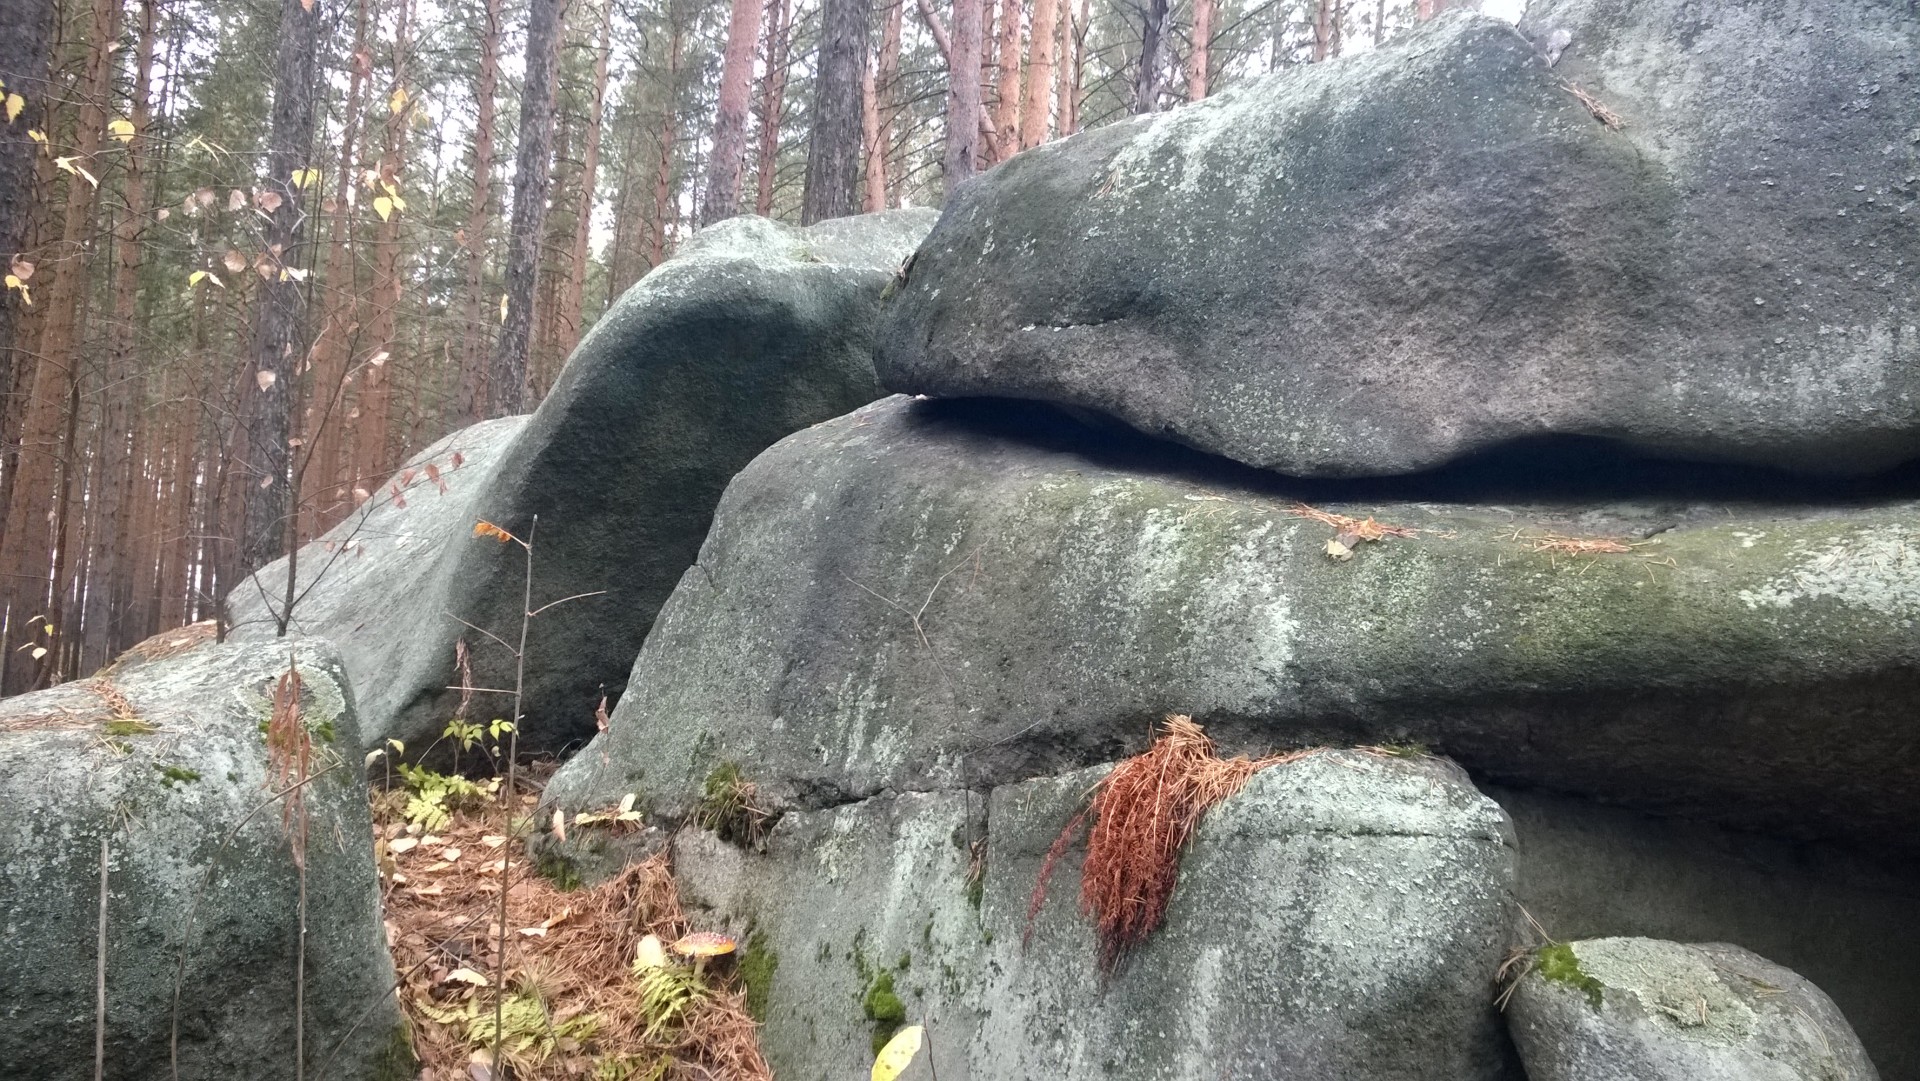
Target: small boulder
{"points": [[163, 762], [1638, 1009]]}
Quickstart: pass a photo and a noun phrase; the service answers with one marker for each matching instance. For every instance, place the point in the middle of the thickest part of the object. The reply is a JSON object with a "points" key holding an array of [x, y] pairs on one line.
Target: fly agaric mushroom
{"points": [[701, 945]]}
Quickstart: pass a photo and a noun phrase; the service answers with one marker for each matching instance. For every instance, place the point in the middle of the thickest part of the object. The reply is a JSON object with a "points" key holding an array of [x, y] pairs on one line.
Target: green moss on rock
{"points": [[1558, 963], [757, 965]]}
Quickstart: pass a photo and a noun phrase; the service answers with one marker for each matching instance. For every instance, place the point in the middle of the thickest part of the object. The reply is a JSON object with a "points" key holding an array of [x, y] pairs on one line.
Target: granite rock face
{"points": [[1696, 232], [753, 331], [161, 761], [1341, 917], [910, 598]]}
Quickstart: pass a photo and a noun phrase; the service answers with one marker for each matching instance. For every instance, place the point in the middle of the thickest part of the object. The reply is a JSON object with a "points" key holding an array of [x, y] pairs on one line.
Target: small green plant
{"points": [[130, 726], [528, 1035], [727, 807], [667, 990], [1558, 963], [883, 1007], [757, 965], [433, 797]]}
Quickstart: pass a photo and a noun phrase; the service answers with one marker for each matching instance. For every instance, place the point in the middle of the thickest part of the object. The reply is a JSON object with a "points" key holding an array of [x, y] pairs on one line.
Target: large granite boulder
{"points": [[907, 597], [1637, 1009], [1696, 233], [377, 585], [753, 331], [1341, 917], [164, 762]]}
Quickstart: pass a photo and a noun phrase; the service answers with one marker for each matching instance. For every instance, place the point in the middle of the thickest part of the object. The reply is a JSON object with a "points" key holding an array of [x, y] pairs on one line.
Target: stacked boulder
{"points": [[752, 331], [1612, 234]]}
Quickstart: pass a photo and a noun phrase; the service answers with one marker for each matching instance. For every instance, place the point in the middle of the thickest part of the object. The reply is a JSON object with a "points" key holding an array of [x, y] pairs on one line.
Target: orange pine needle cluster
{"points": [[1143, 814]]}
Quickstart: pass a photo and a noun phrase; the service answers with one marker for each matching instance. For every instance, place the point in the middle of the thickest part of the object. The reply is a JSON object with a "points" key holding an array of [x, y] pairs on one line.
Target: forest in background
{"points": [[262, 251]]}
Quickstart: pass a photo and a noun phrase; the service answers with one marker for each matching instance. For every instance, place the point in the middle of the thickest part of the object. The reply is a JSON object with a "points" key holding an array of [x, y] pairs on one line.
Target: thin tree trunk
{"points": [[28, 577], [1197, 57], [663, 171], [277, 349], [532, 175], [110, 564], [471, 400], [773, 99], [833, 147], [964, 115], [1153, 33], [874, 172], [1007, 88], [730, 118], [24, 53], [374, 369], [887, 95], [1077, 87], [573, 300], [984, 151], [1033, 117], [324, 497]]}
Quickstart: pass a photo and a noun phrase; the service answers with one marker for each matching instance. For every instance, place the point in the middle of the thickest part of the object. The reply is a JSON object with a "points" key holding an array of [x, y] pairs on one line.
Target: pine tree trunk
{"points": [[1197, 73], [277, 349], [573, 301], [833, 147], [730, 119], [532, 174], [1076, 88], [1007, 88], [23, 66], [773, 98], [1033, 116], [470, 402], [964, 115], [110, 562], [663, 168], [374, 367], [1153, 33], [28, 576], [887, 94], [323, 493]]}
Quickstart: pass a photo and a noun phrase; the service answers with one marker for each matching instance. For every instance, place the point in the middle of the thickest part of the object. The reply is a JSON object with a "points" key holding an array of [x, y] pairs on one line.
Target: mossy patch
{"points": [[171, 775], [757, 965], [130, 726], [883, 1007], [1558, 963], [558, 869]]}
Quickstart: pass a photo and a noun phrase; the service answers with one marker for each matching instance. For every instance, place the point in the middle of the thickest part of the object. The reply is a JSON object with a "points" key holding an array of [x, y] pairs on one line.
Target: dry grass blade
{"points": [[1580, 546], [1596, 107], [1365, 529], [167, 644]]}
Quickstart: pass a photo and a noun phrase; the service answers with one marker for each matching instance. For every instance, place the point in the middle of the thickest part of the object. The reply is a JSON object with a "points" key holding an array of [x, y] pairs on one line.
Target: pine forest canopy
{"points": [[259, 252]]}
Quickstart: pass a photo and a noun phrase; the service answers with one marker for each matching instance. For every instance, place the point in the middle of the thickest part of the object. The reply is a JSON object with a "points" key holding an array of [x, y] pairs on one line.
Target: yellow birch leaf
{"points": [[264, 378], [38, 136], [15, 283], [196, 278], [383, 206], [467, 975], [39, 652], [894, 1058], [15, 105], [398, 101], [121, 129]]}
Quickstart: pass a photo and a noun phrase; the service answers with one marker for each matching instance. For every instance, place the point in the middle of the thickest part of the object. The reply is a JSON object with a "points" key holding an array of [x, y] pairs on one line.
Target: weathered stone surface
{"points": [[753, 331], [1380, 264], [377, 584], [1844, 922], [900, 600], [167, 792], [1340, 918], [1638, 1009]]}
